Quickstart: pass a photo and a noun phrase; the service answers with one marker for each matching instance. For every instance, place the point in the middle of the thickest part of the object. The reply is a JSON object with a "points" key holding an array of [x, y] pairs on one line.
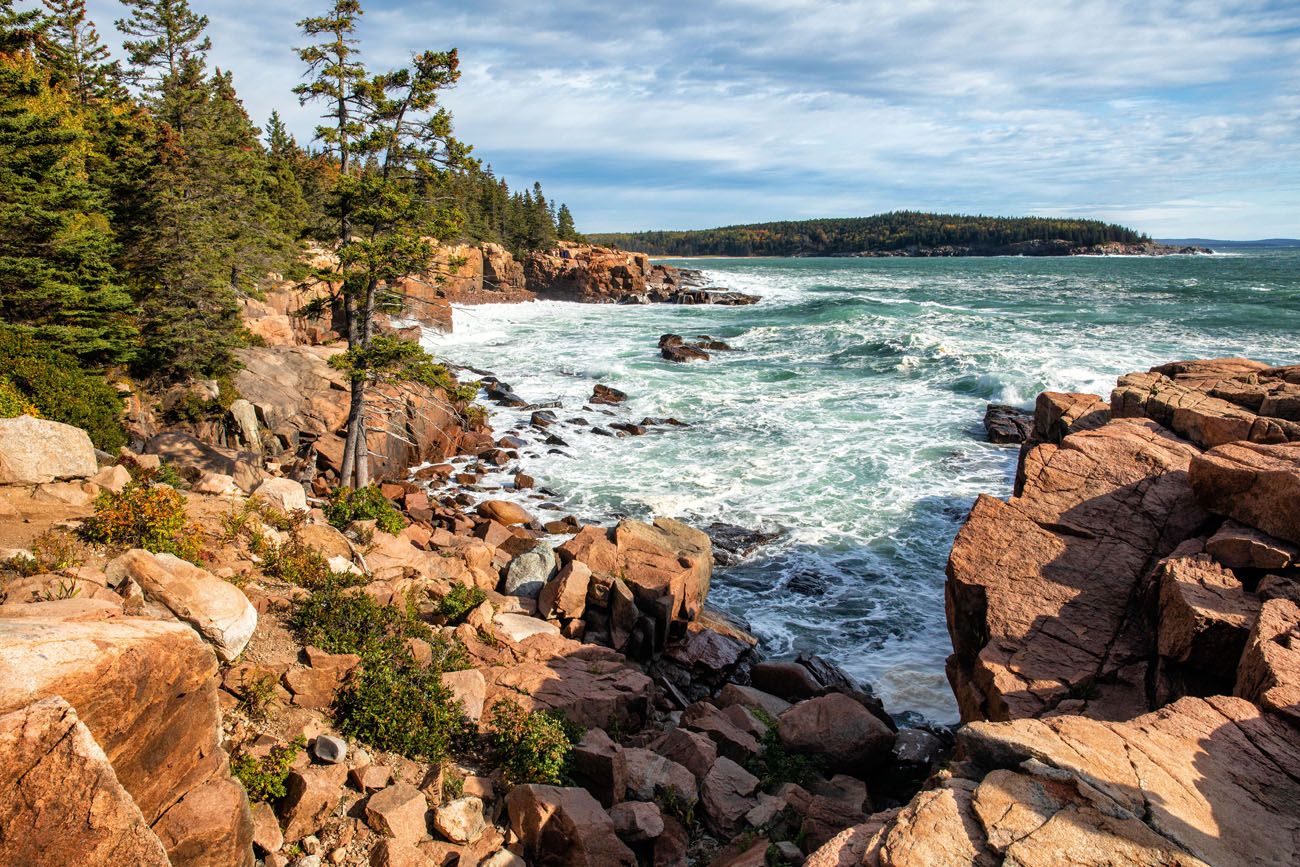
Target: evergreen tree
{"points": [[57, 279], [76, 54], [392, 142], [168, 55], [564, 228]]}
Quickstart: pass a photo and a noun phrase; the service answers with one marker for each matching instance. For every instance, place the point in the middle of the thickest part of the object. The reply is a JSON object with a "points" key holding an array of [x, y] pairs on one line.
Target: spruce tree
{"points": [[57, 278], [167, 56], [73, 50], [564, 228]]}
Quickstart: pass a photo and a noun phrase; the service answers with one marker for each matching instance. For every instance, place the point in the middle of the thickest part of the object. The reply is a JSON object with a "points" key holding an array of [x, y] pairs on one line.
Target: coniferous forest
{"points": [[139, 203], [898, 230]]}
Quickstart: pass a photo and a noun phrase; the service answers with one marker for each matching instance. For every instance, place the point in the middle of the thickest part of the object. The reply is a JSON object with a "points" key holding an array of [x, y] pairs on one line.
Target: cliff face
{"points": [[1126, 638]]}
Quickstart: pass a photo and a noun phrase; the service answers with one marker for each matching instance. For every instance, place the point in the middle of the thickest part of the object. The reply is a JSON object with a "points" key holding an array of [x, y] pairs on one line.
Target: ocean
{"points": [[848, 416]]}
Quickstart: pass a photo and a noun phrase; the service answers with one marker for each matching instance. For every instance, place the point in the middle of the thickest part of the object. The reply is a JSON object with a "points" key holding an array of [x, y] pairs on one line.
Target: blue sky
{"points": [[1177, 118]]}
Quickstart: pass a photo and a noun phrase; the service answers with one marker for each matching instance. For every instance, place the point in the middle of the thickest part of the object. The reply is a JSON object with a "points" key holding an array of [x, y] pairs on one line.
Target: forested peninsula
{"points": [[898, 233]]}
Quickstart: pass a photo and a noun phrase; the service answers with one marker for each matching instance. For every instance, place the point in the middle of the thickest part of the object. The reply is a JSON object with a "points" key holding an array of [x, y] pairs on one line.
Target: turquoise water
{"points": [[849, 415]]}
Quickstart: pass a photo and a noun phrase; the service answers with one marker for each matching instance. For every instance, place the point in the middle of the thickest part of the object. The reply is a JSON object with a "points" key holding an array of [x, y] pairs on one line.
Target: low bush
{"points": [[531, 747], [146, 516], [264, 779], [400, 706], [56, 550], [13, 402], [363, 504], [341, 621], [54, 383], [459, 602], [774, 766]]}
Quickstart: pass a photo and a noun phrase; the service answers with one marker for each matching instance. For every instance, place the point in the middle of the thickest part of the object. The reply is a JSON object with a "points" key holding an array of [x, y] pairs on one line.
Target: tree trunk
{"points": [[356, 412]]}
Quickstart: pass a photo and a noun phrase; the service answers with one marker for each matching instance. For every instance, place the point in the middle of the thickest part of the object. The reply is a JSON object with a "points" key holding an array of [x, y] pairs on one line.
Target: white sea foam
{"points": [[848, 417]]}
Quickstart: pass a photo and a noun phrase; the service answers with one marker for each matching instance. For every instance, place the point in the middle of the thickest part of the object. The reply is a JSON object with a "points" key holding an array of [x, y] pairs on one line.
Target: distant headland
{"points": [[902, 233]]}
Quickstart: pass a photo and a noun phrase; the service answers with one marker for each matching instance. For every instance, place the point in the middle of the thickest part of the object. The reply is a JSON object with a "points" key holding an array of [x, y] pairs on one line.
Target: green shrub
{"points": [[145, 516], [530, 747], [264, 779], [363, 504], [402, 707], [55, 384], [13, 402], [774, 766], [291, 560], [459, 602], [341, 621]]}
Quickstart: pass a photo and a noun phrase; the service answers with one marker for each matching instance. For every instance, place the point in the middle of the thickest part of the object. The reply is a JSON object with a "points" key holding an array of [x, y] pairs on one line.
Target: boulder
{"points": [[469, 688], [754, 699], [649, 774], [187, 829], [1255, 484], [529, 572], [1071, 550], [1205, 616], [636, 821], [593, 686], [34, 451], [461, 820], [785, 679], [284, 495], [398, 812], [147, 692], [218, 610], [267, 836], [1269, 674], [565, 595], [838, 727], [329, 750], [112, 478], [311, 795], [1240, 547], [598, 765], [726, 795], [504, 512], [564, 826], [732, 740], [60, 801], [519, 627], [692, 750]]}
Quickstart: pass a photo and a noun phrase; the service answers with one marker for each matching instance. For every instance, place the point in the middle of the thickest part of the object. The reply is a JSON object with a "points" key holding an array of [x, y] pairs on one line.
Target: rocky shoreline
{"points": [[1124, 632], [1058, 247]]}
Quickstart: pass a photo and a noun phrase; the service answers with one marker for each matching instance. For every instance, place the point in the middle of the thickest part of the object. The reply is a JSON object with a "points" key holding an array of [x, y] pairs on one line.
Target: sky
{"points": [[1180, 119]]}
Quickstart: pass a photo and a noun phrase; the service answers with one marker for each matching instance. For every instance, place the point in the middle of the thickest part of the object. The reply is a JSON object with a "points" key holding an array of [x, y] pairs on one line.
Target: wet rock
{"points": [[604, 394], [682, 353], [838, 727], [550, 820], [1007, 424], [732, 543]]}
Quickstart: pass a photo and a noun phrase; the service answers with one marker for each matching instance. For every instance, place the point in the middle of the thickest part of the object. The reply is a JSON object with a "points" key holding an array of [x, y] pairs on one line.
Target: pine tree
{"points": [[73, 49], [57, 279], [168, 56], [392, 142], [564, 228]]}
